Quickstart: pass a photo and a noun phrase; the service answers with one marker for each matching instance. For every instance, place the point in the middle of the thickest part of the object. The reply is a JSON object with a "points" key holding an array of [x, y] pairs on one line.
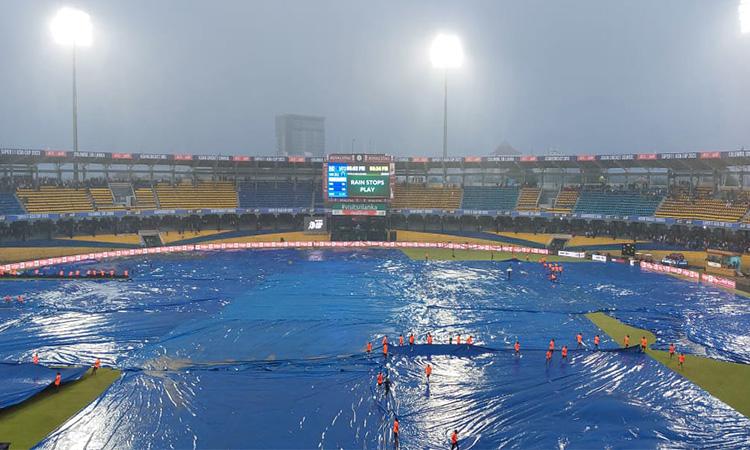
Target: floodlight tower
{"points": [[72, 28], [446, 53]]}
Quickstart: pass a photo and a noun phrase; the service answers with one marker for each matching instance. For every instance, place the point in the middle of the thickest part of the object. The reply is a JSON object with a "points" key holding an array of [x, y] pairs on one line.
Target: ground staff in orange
{"points": [[429, 338], [596, 342], [671, 350], [395, 431], [58, 379], [454, 440], [626, 341], [428, 371], [564, 351], [517, 347]]}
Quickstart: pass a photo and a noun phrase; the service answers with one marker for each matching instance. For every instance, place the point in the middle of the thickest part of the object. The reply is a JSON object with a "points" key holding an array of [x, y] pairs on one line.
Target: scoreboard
{"points": [[362, 177]]}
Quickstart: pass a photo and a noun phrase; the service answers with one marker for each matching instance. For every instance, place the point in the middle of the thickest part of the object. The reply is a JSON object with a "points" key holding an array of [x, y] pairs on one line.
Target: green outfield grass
{"points": [[444, 254], [727, 381], [25, 424]]}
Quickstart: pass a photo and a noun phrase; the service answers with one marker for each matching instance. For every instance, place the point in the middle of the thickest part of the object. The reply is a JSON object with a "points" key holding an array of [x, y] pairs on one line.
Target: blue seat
{"points": [[282, 194], [9, 204], [490, 198], [625, 203]]}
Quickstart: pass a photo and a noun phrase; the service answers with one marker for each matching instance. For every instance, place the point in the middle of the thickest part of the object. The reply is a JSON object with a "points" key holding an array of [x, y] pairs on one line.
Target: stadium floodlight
{"points": [[72, 28], [446, 53], [744, 12]]}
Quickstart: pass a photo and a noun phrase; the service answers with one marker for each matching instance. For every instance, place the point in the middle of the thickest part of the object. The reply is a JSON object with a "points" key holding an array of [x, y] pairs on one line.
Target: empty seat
{"points": [[145, 198], [528, 199], [617, 203], [565, 201], [104, 200], [53, 199], [418, 196], [700, 204], [9, 204], [203, 195], [490, 198], [279, 194]]}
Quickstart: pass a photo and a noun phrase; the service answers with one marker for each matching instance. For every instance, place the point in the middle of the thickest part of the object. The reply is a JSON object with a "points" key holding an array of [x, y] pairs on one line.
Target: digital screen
{"points": [[358, 180]]}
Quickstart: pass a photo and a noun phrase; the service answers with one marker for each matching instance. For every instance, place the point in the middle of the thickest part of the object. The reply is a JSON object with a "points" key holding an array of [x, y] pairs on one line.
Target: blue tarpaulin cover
{"points": [[21, 381], [265, 349]]}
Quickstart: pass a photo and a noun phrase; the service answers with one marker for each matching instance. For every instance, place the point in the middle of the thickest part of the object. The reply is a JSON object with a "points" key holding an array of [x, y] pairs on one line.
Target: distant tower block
{"points": [[300, 135]]}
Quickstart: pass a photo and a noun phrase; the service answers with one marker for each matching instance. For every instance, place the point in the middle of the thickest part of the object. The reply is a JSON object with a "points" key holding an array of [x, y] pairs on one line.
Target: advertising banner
{"points": [[571, 254]]}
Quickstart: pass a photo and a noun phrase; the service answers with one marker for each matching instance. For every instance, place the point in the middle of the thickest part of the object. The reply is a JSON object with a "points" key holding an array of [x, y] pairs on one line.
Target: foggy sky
{"points": [[579, 76]]}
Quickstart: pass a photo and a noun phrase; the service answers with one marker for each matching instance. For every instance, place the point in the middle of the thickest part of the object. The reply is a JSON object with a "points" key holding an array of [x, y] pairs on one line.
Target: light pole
{"points": [[446, 53], [72, 28]]}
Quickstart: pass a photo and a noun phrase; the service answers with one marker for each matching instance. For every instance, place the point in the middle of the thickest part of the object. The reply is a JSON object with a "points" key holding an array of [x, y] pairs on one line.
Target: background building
{"points": [[300, 135]]}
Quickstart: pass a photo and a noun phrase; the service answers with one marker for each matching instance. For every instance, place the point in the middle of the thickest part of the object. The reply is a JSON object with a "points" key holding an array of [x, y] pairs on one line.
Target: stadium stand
{"points": [[682, 205], [53, 199], [490, 198], [202, 195], [104, 200], [565, 201], [418, 196], [279, 194], [528, 199], [9, 204], [617, 203], [145, 198]]}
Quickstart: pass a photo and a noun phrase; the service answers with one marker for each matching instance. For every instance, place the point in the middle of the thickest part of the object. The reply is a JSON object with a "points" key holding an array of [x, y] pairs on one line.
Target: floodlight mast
{"points": [[72, 28], [75, 104], [446, 53]]}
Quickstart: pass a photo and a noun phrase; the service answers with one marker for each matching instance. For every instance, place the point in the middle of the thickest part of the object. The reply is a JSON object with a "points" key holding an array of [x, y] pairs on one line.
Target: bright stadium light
{"points": [[744, 12], [446, 53], [72, 28]]}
